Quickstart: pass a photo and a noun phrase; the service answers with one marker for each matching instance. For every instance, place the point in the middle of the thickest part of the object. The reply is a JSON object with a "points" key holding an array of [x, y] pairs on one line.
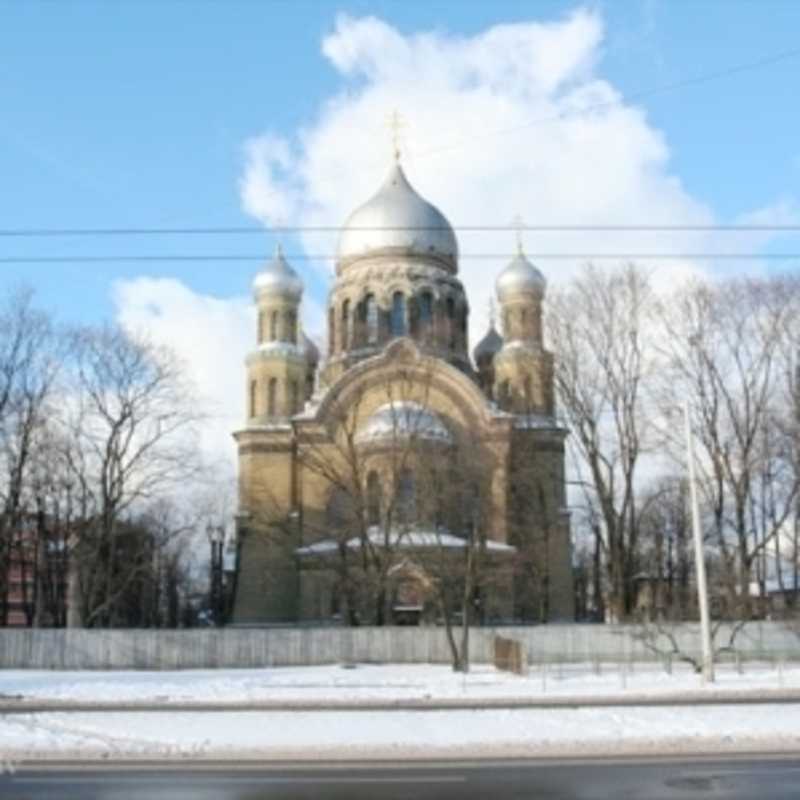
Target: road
{"points": [[732, 778]]}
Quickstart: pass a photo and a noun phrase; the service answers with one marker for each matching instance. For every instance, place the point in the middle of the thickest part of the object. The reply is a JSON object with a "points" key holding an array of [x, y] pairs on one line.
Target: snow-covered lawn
{"points": [[393, 682], [386, 734]]}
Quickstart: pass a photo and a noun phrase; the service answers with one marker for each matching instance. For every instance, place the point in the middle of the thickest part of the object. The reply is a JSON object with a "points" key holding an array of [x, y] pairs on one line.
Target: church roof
{"points": [[520, 276], [404, 540], [278, 277], [403, 419], [491, 344], [397, 219]]}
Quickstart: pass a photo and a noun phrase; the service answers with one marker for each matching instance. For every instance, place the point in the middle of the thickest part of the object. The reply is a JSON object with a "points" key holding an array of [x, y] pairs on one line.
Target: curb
{"points": [[705, 697]]}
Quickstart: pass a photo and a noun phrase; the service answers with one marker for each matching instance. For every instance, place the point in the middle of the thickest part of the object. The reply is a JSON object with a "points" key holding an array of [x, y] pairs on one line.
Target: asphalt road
{"points": [[749, 778]]}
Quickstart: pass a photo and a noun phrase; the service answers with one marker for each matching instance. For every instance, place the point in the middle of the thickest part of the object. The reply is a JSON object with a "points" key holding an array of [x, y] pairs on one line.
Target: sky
{"points": [[247, 114]]}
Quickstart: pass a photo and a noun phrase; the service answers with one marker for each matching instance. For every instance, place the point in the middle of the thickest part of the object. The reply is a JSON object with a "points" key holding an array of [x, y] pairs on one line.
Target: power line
{"points": [[222, 257], [251, 230], [641, 94]]}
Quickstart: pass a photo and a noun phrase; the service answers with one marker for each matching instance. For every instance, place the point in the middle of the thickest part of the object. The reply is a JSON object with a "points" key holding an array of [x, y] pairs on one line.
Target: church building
{"points": [[372, 476]]}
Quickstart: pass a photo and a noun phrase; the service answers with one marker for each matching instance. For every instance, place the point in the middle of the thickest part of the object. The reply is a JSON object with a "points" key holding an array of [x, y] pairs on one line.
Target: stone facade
{"points": [[343, 463]]}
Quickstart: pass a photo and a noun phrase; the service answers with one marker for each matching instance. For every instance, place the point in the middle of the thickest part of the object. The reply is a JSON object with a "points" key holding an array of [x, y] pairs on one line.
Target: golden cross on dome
{"points": [[396, 124], [519, 227]]}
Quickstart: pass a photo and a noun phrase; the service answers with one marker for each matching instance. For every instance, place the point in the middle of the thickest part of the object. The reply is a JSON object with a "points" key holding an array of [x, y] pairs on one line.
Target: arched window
{"points": [[272, 394], [295, 397], [338, 518], [398, 321], [253, 390], [331, 331], [273, 326], [406, 498], [345, 337], [371, 318], [450, 311], [425, 309], [260, 336], [373, 499], [290, 322]]}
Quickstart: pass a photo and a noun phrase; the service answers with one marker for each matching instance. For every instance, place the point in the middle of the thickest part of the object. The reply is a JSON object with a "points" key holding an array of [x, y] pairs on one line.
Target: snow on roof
{"points": [[403, 418], [407, 540]]}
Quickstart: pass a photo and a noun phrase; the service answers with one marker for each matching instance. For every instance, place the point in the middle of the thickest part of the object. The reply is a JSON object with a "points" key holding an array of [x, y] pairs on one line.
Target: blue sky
{"points": [[135, 114]]}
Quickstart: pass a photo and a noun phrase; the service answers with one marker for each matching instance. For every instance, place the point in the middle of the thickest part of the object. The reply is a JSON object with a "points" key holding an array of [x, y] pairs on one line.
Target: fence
{"points": [[268, 647]]}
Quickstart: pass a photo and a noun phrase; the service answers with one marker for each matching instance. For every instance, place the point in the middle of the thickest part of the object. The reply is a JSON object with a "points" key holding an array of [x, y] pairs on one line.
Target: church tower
{"points": [[277, 370], [523, 369]]}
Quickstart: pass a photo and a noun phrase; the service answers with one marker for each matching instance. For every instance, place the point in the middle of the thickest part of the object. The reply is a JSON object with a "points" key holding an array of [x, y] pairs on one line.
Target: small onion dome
{"points": [[397, 219], [311, 350], [519, 276], [278, 278], [489, 346], [403, 419]]}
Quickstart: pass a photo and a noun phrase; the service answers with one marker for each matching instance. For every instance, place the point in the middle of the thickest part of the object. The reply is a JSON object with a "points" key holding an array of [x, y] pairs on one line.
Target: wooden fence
{"points": [[268, 647]]}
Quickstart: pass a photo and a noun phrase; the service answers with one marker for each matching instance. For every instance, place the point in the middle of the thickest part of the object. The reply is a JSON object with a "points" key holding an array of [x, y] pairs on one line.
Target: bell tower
{"points": [[523, 369], [277, 369]]}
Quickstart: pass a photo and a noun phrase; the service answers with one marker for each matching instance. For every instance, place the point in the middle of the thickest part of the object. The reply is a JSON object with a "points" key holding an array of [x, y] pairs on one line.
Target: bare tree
{"points": [[126, 441], [29, 365], [723, 345], [600, 328]]}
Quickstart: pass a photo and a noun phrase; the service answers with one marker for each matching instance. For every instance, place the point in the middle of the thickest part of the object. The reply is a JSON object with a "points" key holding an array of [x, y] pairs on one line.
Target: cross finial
{"points": [[396, 124], [278, 227], [519, 227]]}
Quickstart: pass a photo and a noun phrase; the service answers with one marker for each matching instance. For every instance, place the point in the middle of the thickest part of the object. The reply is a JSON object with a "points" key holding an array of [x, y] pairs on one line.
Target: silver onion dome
{"points": [[519, 276], [403, 419], [278, 278], [489, 346], [397, 219]]}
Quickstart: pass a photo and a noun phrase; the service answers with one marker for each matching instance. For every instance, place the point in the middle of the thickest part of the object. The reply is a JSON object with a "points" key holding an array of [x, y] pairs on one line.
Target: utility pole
{"points": [[699, 557]]}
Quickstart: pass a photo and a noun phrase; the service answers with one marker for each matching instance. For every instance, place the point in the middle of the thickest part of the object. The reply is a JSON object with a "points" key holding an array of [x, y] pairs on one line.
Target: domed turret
{"points": [[489, 346], [311, 350], [484, 353], [519, 277], [397, 220], [278, 278]]}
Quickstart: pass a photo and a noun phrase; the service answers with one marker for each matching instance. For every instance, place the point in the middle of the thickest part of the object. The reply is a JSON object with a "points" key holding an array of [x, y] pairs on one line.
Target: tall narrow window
{"points": [[450, 310], [425, 308], [345, 337], [260, 327], [371, 318], [295, 397], [253, 390], [526, 391], [373, 499], [272, 393], [406, 498], [398, 321], [290, 321], [331, 331], [273, 326]]}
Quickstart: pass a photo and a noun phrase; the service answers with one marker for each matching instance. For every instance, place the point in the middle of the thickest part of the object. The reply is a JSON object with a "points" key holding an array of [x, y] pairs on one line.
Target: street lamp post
{"points": [[699, 557], [216, 535]]}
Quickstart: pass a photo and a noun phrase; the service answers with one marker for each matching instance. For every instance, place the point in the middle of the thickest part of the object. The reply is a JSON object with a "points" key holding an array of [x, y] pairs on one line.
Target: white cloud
{"points": [[514, 120], [210, 335]]}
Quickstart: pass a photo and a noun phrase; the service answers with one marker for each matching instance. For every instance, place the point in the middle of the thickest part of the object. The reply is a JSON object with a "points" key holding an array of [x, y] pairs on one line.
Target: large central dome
{"points": [[396, 220]]}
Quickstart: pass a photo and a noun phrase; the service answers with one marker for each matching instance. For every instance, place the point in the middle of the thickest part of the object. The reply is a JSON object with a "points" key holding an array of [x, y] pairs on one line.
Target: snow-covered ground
{"points": [[392, 682], [402, 734], [472, 733]]}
